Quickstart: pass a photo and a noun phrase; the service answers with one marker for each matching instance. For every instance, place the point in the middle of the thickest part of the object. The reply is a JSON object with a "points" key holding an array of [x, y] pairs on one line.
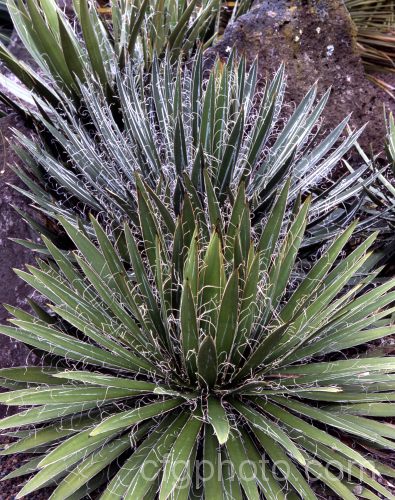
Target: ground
{"points": [[13, 290]]}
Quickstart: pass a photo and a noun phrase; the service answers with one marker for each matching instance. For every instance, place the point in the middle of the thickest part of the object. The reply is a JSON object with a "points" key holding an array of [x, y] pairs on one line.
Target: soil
{"points": [[9, 489], [12, 290]]}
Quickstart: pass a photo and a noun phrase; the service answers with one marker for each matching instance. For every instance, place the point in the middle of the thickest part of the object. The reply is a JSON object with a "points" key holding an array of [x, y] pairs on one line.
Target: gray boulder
{"points": [[316, 39]]}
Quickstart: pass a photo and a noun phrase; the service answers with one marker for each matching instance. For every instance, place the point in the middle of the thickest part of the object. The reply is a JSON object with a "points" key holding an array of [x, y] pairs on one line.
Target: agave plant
{"points": [[181, 364], [391, 141], [67, 54], [379, 210], [382, 197], [115, 117], [172, 124]]}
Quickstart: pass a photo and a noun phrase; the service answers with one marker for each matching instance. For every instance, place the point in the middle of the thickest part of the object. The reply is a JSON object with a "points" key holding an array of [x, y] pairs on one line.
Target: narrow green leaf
{"points": [[266, 478], [162, 209], [335, 484], [206, 126], [43, 414], [229, 159], [336, 421], [57, 342], [62, 457], [248, 308], [144, 284], [218, 418], [148, 224], [189, 330], [232, 488], [227, 318], [242, 466], [365, 409], [106, 380], [92, 42], [314, 277], [89, 467], [63, 395], [140, 471], [297, 426], [127, 418], [287, 468], [72, 56], [52, 52], [179, 457], [212, 201], [207, 362], [212, 284], [262, 424], [51, 433], [330, 370], [212, 462], [191, 268], [33, 374]]}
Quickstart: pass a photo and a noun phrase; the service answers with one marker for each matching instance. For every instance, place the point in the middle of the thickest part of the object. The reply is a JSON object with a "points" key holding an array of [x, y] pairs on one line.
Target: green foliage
{"points": [[379, 211], [106, 111], [68, 54], [172, 124], [186, 327], [179, 344], [391, 141]]}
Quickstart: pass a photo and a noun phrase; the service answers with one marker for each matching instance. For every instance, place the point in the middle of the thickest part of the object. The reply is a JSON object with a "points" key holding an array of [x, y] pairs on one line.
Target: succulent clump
{"points": [[194, 343], [181, 349]]}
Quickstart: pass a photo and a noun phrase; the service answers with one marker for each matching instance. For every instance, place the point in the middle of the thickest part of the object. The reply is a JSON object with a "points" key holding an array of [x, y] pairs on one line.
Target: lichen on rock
{"points": [[316, 39]]}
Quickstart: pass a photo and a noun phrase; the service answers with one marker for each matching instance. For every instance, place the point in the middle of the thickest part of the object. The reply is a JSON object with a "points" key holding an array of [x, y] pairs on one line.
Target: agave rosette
{"points": [[198, 342], [379, 211], [171, 124], [106, 107], [70, 46]]}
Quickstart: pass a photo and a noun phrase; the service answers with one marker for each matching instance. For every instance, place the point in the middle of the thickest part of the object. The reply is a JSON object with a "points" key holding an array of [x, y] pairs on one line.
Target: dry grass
{"points": [[375, 21]]}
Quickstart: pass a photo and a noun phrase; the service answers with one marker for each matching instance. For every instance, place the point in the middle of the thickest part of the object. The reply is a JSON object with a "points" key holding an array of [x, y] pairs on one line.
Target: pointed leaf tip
{"points": [[218, 419]]}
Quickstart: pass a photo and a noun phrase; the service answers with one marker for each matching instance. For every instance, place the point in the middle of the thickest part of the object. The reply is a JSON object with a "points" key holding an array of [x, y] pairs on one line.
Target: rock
{"points": [[13, 290], [317, 42]]}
